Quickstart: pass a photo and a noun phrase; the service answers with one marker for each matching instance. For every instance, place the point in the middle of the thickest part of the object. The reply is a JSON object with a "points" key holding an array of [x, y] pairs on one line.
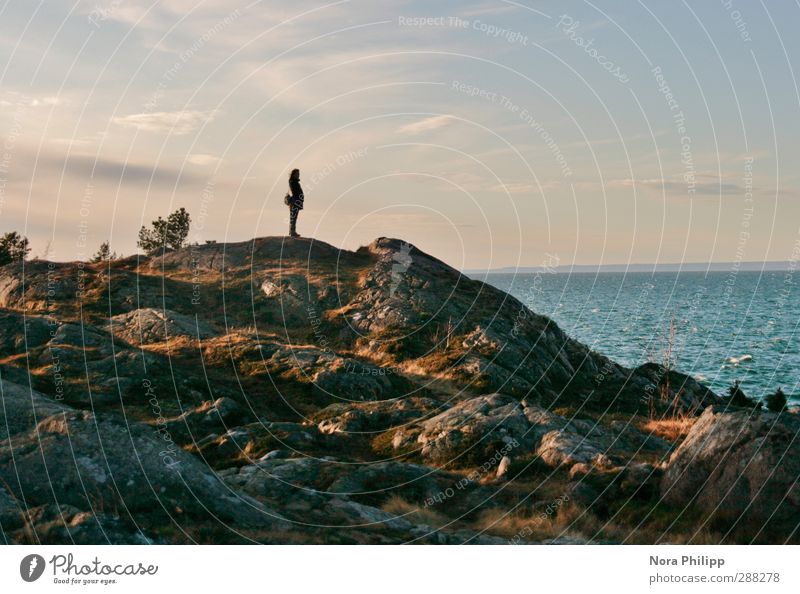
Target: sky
{"points": [[487, 133]]}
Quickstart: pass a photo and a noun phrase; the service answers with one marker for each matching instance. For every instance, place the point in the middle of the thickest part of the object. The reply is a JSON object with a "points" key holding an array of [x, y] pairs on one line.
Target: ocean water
{"points": [[727, 326]]}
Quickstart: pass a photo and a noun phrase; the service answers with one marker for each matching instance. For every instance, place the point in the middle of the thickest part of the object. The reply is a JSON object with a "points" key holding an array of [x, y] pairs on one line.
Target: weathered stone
{"points": [[741, 468], [207, 419], [150, 326], [84, 460], [473, 428], [373, 417], [21, 408]]}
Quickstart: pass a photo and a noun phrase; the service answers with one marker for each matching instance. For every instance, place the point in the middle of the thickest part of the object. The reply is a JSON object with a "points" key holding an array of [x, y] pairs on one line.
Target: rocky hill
{"points": [[283, 390]]}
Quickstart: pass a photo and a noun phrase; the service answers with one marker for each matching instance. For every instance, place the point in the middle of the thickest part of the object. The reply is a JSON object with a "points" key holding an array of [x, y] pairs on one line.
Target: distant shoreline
{"points": [[776, 266]]}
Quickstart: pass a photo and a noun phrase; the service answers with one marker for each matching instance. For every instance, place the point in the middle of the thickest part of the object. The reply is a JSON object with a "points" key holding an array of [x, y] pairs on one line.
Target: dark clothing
{"points": [[297, 194], [293, 212], [295, 205]]}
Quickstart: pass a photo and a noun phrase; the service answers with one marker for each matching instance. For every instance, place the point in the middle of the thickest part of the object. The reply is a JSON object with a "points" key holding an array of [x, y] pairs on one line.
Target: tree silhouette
{"points": [[776, 402], [104, 253], [166, 234], [13, 248]]}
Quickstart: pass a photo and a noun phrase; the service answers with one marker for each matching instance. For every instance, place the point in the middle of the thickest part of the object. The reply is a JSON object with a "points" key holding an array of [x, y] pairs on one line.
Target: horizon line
{"points": [[729, 266]]}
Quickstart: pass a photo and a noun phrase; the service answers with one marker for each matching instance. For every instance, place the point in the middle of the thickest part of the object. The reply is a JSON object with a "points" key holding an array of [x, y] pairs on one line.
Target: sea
{"points": [[718, 326]]}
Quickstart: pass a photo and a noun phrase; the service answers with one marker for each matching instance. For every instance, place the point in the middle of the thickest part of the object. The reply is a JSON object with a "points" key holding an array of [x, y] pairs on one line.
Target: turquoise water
{"points": [[726, 326]]}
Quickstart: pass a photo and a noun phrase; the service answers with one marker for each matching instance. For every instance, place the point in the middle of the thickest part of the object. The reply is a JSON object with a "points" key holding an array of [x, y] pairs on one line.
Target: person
{"points": [[295, 201]]}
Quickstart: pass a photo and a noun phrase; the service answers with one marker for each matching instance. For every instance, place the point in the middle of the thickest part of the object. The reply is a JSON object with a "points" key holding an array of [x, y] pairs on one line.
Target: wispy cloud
{"points": [[173, 122], [431, 123], [678, 187], [13, 98], [203, 159], [56, 165]]}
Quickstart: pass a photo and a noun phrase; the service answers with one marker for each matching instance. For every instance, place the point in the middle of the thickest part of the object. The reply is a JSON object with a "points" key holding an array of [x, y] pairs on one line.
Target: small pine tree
{"points": [[170, 234], [178, 224], [737, 397], [104, 253], [776, 402], [13, 248]]}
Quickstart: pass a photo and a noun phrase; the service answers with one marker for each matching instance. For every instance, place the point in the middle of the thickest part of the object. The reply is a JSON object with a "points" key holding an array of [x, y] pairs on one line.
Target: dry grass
{"points": [[537, 527], [576, 522], [673, 430], [414, 513]]}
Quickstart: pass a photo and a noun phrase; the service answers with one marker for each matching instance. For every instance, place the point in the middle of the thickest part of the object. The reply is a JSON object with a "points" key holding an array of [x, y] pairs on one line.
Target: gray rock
{"points": [[65, 524], [19, 333], [252, 441], [503, 467], [373, 417], [343, 378], [83, 460], [742, 469], [22, 408], [208, 419], [150, 326], [473, 428]]}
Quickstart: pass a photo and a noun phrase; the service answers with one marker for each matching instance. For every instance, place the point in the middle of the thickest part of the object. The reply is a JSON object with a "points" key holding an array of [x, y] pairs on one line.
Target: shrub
{"points": [[169, 234], [13, 248], [737, 397], [104, 253], [776, 402]]}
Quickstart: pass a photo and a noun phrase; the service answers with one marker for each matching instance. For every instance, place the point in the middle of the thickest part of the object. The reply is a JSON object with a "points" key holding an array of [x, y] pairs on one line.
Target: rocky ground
{"points": [[285, 391]]}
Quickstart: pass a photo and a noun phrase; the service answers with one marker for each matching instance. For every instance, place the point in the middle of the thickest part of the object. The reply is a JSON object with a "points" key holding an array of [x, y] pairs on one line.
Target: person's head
{"points": [[294, 175]]}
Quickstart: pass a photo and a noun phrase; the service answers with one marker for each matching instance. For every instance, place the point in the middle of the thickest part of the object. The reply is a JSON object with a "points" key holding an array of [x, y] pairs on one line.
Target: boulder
{"points": [[151, 326], [210, 417], [474, 428], [19, 333], [369, 482], [373, 417], [67, 525], [741, 468], [252, 441], [568, 442], [86, 460], [21, 408], [333, 376]]}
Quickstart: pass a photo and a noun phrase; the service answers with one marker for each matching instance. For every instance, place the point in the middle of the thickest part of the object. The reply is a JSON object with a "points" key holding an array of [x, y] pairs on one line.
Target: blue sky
{"points": [[488, 133]]}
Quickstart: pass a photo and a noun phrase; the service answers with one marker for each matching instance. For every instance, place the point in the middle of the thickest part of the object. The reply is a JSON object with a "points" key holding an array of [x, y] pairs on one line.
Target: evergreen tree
{"points": [[13, 248], [737, 397], [104, 253], [776, 402], [166, 234]]}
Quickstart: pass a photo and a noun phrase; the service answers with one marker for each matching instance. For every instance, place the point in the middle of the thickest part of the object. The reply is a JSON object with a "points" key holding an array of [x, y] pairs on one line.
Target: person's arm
{"points": [[297, 191]]}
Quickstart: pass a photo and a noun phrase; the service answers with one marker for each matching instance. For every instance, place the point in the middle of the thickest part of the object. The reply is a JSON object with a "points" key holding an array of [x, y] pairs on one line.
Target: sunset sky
{"points": [[488, 133]]}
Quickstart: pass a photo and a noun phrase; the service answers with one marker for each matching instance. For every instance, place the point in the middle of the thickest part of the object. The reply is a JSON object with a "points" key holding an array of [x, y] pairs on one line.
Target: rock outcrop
{"points": [[149, 326], [742, 469], [282, 390], [91, 462]]}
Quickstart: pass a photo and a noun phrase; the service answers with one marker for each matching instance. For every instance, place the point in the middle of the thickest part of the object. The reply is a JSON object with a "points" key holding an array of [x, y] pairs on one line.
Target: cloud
{"points": [[132, 173], [173, 122], [46, 101], [491, 8], [14, 98], [55, 165], [515, 188], [678, 187], [431, 123], [203, 159]]}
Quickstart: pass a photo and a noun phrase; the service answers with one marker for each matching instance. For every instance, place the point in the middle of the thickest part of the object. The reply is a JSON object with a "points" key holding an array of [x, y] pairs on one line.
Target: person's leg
{"points": [[293, 221]]}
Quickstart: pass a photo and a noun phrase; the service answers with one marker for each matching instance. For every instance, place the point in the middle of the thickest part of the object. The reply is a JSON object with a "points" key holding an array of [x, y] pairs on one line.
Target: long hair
{"points": [[294, 175]]}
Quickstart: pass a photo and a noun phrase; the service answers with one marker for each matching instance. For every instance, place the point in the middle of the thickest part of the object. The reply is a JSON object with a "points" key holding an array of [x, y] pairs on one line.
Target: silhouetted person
{"points": [[295, 201]]}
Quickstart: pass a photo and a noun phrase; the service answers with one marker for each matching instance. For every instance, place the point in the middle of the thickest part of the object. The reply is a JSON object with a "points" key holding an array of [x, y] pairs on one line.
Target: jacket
{"points": [[297, 195]]}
